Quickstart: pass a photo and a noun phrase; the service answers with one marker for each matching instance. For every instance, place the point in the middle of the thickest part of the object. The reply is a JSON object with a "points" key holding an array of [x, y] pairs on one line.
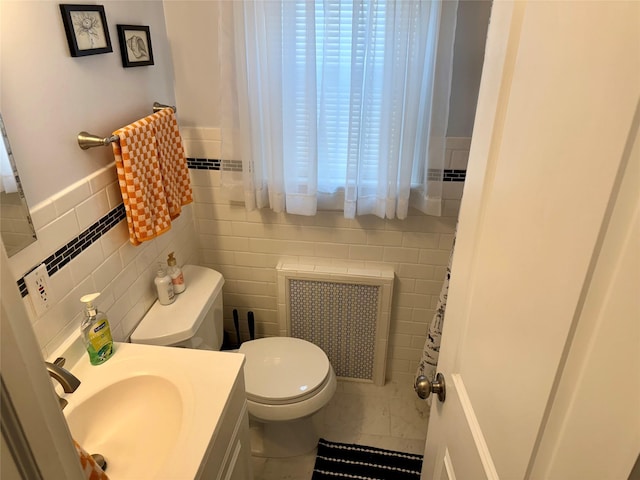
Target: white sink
{"points": [[120, 421], [152, 412]]}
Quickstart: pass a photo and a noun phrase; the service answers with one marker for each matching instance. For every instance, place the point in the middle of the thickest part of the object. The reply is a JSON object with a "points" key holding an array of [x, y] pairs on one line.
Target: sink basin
{"points": [[132, 423], [152, 412]]}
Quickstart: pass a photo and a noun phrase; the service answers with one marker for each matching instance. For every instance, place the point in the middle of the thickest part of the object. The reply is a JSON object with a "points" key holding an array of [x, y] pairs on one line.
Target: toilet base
{"points": [[282, 439]]}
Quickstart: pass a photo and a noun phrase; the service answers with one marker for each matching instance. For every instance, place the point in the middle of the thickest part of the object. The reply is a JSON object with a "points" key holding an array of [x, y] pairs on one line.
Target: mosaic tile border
{"points": [[76, 246], [454, 176], [236, 165], [203, 163], [83, 241]]}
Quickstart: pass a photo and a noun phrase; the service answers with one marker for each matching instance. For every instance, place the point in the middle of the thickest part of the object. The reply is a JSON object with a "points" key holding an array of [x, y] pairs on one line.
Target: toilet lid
{"points": [[283, 369]]}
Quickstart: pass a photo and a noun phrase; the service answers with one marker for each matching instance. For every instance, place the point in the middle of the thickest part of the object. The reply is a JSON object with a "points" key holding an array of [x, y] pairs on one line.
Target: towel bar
{"points": [[88, 140]]}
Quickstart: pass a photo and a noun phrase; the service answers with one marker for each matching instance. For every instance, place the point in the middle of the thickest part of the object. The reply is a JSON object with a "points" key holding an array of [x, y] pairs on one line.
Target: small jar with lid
{"points": [[175, 272]]}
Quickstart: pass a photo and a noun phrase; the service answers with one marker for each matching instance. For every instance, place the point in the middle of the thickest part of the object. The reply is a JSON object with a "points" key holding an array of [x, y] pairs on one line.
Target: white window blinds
{"points": [[340, 102]]}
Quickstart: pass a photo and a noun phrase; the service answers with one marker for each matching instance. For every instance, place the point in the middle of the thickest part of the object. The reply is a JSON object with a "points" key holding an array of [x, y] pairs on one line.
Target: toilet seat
{"points": [[284, 370], [264, 412]]}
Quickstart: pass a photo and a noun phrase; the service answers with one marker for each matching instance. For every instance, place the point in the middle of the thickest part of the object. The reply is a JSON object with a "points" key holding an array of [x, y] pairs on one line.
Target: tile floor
{"points": [[390, 417]]}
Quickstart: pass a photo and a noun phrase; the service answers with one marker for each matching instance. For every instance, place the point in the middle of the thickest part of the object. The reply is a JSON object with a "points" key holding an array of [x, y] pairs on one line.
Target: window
{"points": [[341, 103]]}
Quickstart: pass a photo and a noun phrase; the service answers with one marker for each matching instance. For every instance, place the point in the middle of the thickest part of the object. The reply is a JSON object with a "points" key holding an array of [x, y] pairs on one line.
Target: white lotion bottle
{"points": [[175, 272], [164, 286]]}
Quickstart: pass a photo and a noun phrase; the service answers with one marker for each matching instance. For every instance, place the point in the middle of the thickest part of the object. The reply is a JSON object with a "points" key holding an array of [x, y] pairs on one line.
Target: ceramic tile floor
{"points": [[390, 417]]}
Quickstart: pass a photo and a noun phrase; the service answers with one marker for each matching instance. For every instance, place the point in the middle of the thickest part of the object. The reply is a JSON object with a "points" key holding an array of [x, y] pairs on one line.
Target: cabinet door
{"points": [[239, 466]]}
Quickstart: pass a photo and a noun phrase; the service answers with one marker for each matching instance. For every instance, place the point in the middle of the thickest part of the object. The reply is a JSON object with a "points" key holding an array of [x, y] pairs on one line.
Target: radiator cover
{"points": [[346, 313]]}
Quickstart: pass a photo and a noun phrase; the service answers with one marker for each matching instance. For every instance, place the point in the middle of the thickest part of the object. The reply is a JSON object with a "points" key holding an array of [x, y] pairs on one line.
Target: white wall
{"points": [[47, 97], [468, 57], [246, 247], [192, 31], [50, 96]]}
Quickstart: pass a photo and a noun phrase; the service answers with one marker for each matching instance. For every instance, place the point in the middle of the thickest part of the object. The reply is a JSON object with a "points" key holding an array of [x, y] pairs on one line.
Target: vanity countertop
{"points": [[187, 390]]}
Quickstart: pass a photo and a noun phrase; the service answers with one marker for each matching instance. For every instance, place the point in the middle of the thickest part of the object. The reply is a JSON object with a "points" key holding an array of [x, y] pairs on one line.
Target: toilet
{"points": [[287, 380]]}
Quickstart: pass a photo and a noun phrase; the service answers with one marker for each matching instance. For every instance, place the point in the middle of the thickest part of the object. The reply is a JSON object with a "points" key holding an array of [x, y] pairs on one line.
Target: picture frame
{"points": [[135, 45], [86, 29]]}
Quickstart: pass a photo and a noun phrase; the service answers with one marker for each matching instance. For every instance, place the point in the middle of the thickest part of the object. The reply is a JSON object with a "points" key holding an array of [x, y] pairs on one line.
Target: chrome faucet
{"points": [[69, 382]]}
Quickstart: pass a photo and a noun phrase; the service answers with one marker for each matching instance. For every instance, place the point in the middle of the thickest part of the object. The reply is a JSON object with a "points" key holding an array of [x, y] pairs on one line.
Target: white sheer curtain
{"points": [[341, 104]]}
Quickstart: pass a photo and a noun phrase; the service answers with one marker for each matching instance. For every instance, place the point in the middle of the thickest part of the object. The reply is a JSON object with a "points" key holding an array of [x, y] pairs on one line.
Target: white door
{"points": [[546, 261]]}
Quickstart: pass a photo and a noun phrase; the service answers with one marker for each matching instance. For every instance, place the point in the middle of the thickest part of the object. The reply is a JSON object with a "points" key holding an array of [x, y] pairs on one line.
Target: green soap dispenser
{"points": [[96, 332]]}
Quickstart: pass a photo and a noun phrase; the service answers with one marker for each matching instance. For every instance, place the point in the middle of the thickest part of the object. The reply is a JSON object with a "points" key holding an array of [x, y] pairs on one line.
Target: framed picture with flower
{"points": [[86, 29], [135, 45]]}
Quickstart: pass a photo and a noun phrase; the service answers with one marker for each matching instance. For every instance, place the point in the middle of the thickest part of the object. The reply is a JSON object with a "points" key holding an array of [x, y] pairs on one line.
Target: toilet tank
{"points": [[193, 320]]}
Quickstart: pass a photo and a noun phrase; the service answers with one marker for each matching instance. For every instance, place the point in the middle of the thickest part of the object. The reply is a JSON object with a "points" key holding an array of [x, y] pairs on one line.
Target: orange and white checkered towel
{"points": [[153, 174], [89, 466]]}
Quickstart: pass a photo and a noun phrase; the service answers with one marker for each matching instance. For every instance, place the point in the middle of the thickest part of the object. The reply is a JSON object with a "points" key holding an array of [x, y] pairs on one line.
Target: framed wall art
{"points": [[86, 29], [135, 45]]}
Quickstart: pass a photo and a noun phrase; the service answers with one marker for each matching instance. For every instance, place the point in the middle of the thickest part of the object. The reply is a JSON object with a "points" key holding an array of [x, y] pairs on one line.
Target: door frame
{"points": [[39, 439], [500, 56]]}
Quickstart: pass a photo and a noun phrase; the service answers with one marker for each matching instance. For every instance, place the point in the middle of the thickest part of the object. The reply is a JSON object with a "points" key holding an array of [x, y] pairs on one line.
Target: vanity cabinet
{"points": [[173, 413], [229, 453]]}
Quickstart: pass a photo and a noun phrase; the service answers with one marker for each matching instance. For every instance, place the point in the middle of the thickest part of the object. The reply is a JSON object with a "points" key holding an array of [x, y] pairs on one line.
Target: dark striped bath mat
{"points": [[343, 460]]}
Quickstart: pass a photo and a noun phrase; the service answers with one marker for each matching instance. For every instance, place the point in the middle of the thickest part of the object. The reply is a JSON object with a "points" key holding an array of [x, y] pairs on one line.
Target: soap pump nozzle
{"points": [[88, 299]]}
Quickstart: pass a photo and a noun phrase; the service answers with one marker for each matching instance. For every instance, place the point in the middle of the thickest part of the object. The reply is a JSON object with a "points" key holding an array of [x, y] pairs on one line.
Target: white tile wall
{"points": [[91, 209], [123, 273], [457, 152], [246, 247], [202, 142]]}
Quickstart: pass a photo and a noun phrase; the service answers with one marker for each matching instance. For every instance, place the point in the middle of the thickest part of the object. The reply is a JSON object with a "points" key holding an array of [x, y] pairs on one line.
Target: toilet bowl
{"points": [[287, 380]]}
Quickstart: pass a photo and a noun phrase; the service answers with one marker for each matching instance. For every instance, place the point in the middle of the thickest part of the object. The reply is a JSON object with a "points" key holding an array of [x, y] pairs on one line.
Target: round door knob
{"points": [[424, 387]]}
